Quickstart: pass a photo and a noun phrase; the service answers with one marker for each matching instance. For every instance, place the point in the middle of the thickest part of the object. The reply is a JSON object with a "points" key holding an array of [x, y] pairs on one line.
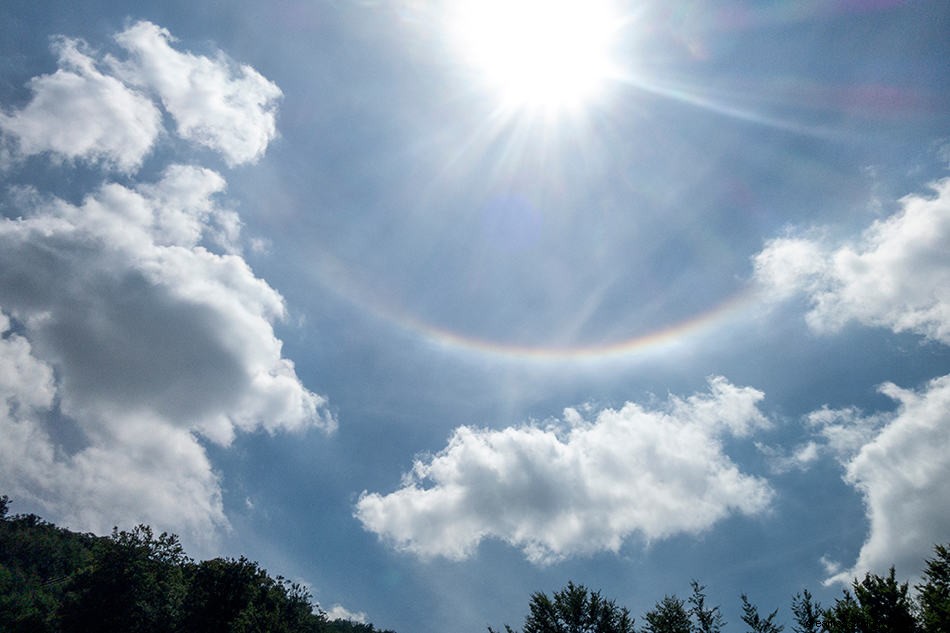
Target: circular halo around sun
{"points": [[549, 55]]}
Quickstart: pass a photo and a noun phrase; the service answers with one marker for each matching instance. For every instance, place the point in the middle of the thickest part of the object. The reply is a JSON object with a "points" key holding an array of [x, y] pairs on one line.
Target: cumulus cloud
{"points": [[125, 335], [900, 463], [105, 110], [81, 113], [896, 275], [224, 106], [130, 324], [579, 486], [339, 612]]}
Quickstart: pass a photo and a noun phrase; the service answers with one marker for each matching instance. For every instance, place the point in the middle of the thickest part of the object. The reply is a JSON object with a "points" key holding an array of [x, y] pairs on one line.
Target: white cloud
{"points": [[130, 322], [80, 113], [896, 275], [127, 471], [126, 336], [781, 461], [900, 462], [102, 111], [227, 107], [578, 487], [339, 612]]}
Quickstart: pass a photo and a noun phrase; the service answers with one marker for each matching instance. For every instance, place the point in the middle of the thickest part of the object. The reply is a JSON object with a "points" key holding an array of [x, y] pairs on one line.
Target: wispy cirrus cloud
{"points": [[580, 485]]}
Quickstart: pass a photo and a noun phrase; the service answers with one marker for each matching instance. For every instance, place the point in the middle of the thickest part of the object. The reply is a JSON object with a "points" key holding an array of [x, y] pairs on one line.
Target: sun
{"points": [[538, 54]]}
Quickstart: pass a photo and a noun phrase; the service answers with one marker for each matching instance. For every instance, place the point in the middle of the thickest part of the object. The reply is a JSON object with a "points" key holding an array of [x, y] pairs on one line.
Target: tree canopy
{"points": [[934, 593], [875, 604], [53, 580], [56, 581], [574, 609]]}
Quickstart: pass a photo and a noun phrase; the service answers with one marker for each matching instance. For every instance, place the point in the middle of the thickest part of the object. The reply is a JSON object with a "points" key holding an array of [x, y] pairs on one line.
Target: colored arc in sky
{"points": [[334, 277], [662, 337]]}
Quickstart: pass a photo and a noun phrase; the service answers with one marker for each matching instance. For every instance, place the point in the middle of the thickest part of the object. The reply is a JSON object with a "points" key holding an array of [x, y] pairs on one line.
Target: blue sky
{"points": [[431, 307]]}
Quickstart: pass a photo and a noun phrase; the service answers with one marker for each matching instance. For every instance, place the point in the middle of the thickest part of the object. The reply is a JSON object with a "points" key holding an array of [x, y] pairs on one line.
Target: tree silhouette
{"points": [[755, 622], [705, 619], [574, 609], [879, 605], [135, 584], [807, 613], [668, 616], [845, 616], [934, 593], [56, 581]]}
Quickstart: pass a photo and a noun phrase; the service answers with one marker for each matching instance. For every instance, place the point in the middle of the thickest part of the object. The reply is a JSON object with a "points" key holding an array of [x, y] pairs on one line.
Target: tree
{"points": [[56, 581], [705, 619], [574, 609], [668, 616], [36, 558], [880, 605], [844, 617], [220, 591], [135, 584], [755, 622], [934, 593], [807, 613], [885, 606]]}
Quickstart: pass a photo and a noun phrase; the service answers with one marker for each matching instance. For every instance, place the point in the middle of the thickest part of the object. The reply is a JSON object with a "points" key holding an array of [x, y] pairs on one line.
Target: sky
{"points": [[431, 305]]}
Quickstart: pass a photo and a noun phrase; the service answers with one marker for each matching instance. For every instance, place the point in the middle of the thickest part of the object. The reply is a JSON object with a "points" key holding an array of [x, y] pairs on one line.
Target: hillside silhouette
{"points": [[53, 580]]}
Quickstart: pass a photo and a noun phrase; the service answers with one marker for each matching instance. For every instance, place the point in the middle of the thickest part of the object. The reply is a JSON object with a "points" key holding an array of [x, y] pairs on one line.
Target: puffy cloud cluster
{"points": [[131, 324], [896, 275], [580, 486], [153, 337], [228, 108], [106, 111], [108, 123], [900, 462]]}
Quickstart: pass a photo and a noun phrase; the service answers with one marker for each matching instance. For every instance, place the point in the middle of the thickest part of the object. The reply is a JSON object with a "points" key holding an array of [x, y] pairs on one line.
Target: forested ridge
{"points": [[54, 580], [874, 604]]}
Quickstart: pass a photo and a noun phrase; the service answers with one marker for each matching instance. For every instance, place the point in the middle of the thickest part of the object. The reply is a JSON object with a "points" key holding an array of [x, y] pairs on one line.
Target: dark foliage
{"points": [[706, 619], [876, 604], [807, 613], [574, 609], [755, 622], [879, 605], [135, 583], [36, 561], [668, 616], [934, 593], [56, 581], [844, 617]]}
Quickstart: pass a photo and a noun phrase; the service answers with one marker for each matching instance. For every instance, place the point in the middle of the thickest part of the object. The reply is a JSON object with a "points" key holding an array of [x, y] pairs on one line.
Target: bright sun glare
{"points": [[538, 54]]}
